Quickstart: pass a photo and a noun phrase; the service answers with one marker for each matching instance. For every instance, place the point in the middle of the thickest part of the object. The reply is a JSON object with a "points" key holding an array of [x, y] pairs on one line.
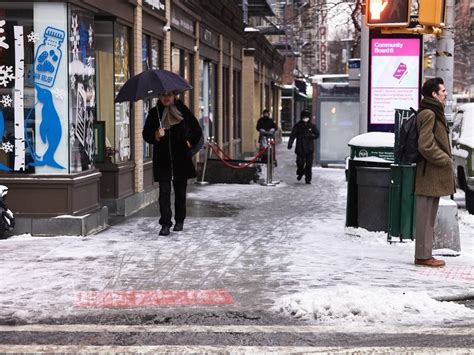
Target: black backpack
{"points": [[407, 151]]}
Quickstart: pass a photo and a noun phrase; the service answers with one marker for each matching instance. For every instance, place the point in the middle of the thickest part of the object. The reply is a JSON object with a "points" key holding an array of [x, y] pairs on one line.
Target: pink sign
{"points": [[399, 47], [394, 77]]}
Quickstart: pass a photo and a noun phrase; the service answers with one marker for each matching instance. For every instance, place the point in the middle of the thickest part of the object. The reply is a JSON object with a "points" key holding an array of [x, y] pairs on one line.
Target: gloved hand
{"points": [[289, 146]]}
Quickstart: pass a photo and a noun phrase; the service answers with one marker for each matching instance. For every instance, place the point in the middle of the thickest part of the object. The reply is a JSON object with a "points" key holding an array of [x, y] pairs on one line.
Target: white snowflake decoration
{"points": [[33, 37], [91, 36], [3, 44], [75, 38], [58, 94], [72, 135], [73, 81], [7, 147], [6, 101], [6, 74]]}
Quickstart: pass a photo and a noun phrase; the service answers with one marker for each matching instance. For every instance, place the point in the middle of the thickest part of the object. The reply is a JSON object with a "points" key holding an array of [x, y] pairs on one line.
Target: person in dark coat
{"points": [[267, 128], [173, 130], [305, 134]]}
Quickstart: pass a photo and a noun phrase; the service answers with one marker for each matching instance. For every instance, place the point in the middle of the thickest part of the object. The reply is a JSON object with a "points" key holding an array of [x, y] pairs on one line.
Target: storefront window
{"points": [[147, 104], [122, 74], [176, 60], [188, 75], [82, 94], [34, 122], [237, 106], [225, 106]]}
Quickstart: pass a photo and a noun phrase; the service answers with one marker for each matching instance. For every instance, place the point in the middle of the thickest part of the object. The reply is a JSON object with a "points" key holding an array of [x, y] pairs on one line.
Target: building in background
{"points": [[67, 148]]}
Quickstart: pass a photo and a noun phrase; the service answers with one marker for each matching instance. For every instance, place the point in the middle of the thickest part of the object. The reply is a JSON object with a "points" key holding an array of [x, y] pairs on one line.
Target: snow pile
{"points": [[373, 139], [371, 306]]}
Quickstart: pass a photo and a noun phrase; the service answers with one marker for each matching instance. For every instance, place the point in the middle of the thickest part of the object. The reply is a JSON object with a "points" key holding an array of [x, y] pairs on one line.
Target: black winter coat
{"points": [[171, 156], [305, 133]]}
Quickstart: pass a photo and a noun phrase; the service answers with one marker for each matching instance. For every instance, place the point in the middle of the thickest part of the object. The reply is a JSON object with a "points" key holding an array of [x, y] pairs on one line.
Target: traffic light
{"points": [[428, 61], [387, 13], [432, 13]]}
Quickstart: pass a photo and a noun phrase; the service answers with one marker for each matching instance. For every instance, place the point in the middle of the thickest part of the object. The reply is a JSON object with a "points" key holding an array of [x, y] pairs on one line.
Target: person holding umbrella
{"points": [[173, 131], [175, 135]]}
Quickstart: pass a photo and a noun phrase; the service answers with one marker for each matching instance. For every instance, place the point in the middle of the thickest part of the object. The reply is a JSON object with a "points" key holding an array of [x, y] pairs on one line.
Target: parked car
{"points": [[463, 151]]}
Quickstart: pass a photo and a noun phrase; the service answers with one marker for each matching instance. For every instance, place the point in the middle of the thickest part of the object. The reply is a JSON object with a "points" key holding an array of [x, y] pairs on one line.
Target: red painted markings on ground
{"points": [[458, 273], [155, 298]]}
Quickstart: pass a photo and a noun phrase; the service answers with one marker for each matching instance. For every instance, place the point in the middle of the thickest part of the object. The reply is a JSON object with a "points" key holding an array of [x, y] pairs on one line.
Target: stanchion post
{"points": [[206, 157], [272, 147], [269, 164]]}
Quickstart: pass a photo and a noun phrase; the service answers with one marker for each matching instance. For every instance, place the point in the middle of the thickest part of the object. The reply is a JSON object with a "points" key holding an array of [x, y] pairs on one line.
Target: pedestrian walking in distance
{"points": [[173, 130], [434, 171], [305, 134], [267, 128]]}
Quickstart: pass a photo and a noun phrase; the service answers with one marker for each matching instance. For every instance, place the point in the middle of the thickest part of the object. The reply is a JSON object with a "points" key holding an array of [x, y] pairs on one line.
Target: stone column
{"points": [[220, 99], [137, 106], [231, 102], [167, 38], [248, 97]]}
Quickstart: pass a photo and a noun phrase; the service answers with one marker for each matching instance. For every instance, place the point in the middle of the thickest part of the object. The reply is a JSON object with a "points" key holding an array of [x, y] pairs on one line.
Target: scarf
{"points": [[171, 117], [434, 105]]}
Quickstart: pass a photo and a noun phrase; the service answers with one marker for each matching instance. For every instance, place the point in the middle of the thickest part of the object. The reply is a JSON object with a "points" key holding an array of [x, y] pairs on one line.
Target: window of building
{"points": [[113, 70], [237, 105], [47, 90], [225, 104]]}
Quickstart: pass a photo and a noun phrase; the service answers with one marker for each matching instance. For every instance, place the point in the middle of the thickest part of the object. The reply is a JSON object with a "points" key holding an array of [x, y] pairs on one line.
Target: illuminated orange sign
{"points": [[387, 13]]}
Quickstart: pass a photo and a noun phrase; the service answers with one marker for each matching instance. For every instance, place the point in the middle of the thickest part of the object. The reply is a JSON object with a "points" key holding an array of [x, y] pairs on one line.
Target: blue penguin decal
{"points": [[2, 131], [49, 129]]}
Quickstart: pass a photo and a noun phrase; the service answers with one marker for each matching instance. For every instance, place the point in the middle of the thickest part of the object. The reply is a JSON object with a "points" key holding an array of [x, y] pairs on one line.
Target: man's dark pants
{"points": [[304, 164], [179, 201]]}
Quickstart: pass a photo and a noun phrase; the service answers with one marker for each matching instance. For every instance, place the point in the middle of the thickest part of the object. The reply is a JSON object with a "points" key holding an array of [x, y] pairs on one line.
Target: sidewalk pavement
{"points": [[244, 247]]}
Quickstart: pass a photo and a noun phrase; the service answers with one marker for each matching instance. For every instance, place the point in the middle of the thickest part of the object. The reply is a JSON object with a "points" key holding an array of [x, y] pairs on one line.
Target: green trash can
{"points": [[401, 220], [371, 155]]}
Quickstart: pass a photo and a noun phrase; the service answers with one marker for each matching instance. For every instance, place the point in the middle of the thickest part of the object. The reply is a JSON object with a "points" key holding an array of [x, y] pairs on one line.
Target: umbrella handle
{"points": [[159, 116]]}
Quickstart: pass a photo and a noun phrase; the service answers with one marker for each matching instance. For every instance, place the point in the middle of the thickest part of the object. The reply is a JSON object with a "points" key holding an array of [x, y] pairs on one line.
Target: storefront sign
{"points": [[156, 4], [323, 65], [209, 37], [181, 22], [394, 77]]}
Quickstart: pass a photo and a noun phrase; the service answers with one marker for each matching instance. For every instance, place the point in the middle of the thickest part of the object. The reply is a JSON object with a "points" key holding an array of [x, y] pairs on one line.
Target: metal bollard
{"points": [[208, 147], [272, 142], [269, 164]]}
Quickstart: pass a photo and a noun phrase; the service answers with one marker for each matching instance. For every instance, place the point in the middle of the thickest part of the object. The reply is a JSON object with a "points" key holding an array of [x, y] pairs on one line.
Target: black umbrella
{"points": [[151, 83]]}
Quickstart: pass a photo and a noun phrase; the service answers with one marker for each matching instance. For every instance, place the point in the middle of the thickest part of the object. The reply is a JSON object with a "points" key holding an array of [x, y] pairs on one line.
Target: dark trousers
{"points": [[179, 201], [426, 210], [304, 163]]}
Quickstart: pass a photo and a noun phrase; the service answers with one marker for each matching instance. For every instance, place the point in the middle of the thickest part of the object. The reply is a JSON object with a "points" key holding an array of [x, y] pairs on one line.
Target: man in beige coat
{"points": [[434, 171]]}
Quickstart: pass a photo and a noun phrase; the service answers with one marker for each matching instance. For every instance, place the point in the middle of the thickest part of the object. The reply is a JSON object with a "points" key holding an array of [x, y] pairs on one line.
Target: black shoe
{"points": [[308, 182], [165, 230], [178, 227], [299, 177], [275, 163]]}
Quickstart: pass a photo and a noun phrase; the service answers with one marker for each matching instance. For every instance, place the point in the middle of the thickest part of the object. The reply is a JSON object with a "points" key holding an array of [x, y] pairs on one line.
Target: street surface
{"points": [[256, 269]]}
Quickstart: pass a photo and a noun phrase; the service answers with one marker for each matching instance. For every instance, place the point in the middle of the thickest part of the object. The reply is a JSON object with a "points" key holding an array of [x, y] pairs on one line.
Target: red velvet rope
{"points": [[216, 149]]}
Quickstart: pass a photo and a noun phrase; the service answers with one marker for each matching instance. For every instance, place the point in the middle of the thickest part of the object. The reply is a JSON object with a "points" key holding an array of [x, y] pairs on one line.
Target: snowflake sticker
{"points": [[33, 37], [7, 147], [3, 44], [6, 75], [6, 101], [58, 94], [91, 36], [74, 38], [73, 81]]}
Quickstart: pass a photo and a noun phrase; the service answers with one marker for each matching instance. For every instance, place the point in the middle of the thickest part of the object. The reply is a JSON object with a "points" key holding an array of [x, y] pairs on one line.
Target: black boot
{"points": [[178, 227], [165, 230]]}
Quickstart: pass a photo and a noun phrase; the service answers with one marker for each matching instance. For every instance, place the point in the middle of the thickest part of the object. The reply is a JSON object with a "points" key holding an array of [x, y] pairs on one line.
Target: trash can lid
{"points": [[373, 140]]}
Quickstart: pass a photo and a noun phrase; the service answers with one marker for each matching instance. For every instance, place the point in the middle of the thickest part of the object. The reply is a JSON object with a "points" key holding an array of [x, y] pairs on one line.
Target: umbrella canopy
{"points": [[151, 83]]}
